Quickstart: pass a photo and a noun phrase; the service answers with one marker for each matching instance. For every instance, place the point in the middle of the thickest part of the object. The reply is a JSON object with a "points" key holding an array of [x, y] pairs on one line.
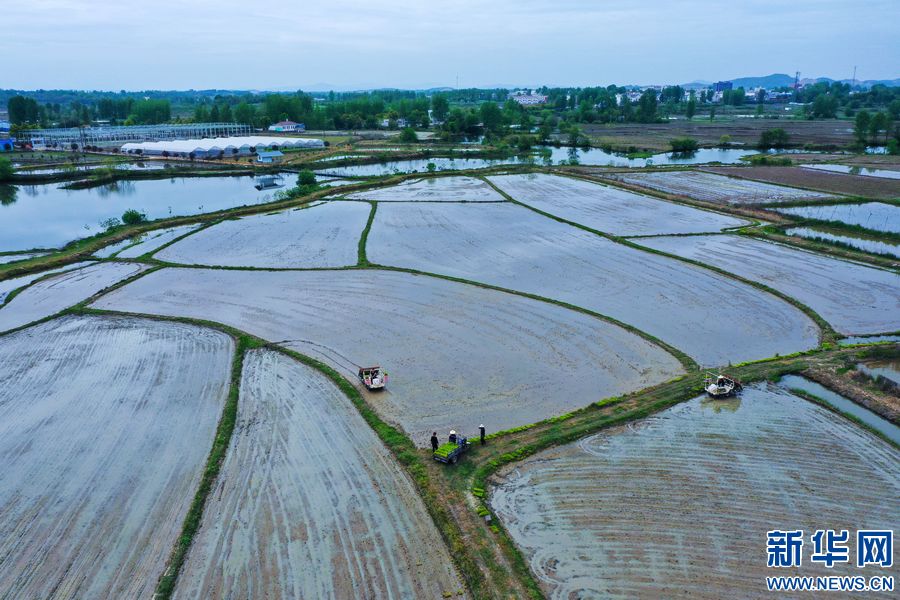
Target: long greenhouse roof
{"points": [[224, 143]]}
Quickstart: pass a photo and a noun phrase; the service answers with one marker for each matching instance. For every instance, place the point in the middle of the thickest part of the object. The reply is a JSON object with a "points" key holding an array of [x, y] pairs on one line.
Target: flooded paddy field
{"points": [[860, 243], [855, 299], [457, 355], [8, 285], [105, 424], [876, 216], [415, 166], [832, 183], [609, 209], [506, 245], [152, 240], [719, 189], [11, 258], [326, 235], [47, 216], [598, 157], [51, 295], [437, 189], [309, 502], [845, 405], [683, 500]]}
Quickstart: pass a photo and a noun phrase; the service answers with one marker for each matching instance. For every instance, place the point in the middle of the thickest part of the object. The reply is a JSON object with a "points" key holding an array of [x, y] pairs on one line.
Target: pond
{"points": [[47, 216], [864, 244]]}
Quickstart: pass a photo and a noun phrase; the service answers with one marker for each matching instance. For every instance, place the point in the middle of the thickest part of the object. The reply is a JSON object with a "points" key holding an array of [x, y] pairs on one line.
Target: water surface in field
{"points": [[47, 216], [843, 404], [889, 369], [636, 511], [877, 216], [864, 244], [883, 173], [546, 156]]}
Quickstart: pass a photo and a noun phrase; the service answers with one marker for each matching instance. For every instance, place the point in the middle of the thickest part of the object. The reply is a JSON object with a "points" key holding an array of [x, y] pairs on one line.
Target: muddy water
{"points": [[438, 189], [105, 424], [457, 355], [50, 296], [843, 404], [853, 298], [326, 235], [683, 500], [310, 504], [876, 216], [712, 318], [609, 209], [717, 188]]}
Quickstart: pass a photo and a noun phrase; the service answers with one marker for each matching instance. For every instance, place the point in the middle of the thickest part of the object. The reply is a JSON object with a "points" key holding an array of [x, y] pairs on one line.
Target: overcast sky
{"points": [[316, 44]]}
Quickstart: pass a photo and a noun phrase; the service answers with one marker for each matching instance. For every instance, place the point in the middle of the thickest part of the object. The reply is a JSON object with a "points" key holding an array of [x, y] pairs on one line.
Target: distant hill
{"points": [[769, 81]]}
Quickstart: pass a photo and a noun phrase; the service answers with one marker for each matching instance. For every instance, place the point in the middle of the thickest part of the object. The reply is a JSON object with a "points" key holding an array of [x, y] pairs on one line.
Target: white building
{"points": [[529, 99], [287, 127]]}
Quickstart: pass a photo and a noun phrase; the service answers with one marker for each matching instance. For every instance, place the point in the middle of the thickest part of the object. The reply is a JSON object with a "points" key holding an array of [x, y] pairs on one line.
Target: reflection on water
{"points": [[47, 216], [546, 155], [723, 404], [866, 245], [8, 194]]}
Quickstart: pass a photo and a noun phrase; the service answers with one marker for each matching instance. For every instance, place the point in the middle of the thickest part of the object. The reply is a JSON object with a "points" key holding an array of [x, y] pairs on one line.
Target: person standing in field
{"points": [[434, 442]]}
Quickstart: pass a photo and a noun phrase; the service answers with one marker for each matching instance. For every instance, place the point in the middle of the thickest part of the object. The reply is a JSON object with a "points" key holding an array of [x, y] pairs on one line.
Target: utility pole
{"points": [[853, 84]]}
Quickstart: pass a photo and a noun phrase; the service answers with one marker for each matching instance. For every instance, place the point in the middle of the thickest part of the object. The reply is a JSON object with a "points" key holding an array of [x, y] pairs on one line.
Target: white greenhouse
{"points": [[215, 147]]}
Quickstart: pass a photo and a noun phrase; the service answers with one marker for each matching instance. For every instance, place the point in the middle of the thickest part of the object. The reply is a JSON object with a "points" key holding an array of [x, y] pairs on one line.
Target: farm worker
{"points": [[481, 431], [452, 436], [434, 442]]}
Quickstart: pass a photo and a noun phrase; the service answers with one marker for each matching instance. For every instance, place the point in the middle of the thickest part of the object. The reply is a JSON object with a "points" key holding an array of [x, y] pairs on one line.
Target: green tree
{"points": [[824, 106], [861, 126], [773, 138], [306, 177], [408, 135], [878, 124], [6, 169], [151, 112], [684, 144], [23, 110], [245, 113], [646, 112], [440, 107], [691, 108], [133, 217], [491, 117]]}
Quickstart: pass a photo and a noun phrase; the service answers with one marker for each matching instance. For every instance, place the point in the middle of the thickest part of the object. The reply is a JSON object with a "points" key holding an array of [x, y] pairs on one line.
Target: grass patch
{"points": [[362, 259], [166, 585]]}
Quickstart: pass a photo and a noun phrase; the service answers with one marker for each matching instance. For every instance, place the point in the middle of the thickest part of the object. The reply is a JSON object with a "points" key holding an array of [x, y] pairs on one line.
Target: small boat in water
{"points": [[722, 386]]}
